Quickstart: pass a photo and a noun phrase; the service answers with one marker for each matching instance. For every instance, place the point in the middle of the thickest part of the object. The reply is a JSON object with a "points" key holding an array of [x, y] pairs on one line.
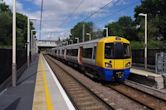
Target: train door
{"points": [[65, 52], [80, 55]]}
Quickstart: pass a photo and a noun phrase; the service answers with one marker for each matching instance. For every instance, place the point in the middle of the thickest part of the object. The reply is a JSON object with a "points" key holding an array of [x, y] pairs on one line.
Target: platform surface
{"points": [[157, 78], [49, 94], [37, 89], [20, 97], [143, 72]]}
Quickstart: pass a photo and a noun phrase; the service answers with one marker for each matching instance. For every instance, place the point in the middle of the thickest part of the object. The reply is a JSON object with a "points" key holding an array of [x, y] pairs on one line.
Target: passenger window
{"points": [[74, 52], [87, 53]]}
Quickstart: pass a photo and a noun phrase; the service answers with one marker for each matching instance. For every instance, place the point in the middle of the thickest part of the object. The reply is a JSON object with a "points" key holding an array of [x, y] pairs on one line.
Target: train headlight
{"points": [[108, 65], [128, 64]]}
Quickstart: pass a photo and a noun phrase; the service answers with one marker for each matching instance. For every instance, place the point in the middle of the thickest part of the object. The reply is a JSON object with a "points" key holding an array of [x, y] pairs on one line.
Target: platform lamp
{"points": [[106, 28], [32, 43], [77, 39], [28, 38], [88, 34], [145, 54], [71, 41]]}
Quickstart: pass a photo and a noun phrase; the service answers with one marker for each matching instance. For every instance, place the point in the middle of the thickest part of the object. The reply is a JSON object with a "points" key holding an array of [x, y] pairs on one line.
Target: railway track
{"points": [[148, 100], [138, 97], [82, 97]]}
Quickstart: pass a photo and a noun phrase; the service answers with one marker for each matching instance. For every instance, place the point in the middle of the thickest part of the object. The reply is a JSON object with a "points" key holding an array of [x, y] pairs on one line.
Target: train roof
{"points": [[94, 42], [114, 39]]}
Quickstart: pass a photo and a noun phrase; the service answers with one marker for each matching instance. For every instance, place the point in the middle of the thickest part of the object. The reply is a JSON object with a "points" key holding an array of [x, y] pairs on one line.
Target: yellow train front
{"points": [[113, 58]]}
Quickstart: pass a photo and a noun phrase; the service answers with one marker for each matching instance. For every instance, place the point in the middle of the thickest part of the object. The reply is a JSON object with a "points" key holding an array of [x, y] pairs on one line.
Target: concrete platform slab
{"points": [[49, 94], [152, 77]]}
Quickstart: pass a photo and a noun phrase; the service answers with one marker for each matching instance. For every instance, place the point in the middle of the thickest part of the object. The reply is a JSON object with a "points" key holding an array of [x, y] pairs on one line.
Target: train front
{"points": [[114, 58]]}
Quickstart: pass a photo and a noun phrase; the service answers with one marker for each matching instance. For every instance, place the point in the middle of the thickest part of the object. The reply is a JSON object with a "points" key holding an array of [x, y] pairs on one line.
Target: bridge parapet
{"points": [[46, 43]]}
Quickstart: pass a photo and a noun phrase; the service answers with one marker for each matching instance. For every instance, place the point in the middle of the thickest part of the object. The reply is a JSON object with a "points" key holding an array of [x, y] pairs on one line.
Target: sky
{"points": [[59, 16]]}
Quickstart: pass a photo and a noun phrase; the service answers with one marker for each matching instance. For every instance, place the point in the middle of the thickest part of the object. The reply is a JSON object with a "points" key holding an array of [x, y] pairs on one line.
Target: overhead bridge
{"points": [[46, 44]]}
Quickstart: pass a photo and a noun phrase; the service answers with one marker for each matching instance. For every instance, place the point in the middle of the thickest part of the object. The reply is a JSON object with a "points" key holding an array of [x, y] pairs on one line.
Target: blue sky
{"points": [[59, 16]]}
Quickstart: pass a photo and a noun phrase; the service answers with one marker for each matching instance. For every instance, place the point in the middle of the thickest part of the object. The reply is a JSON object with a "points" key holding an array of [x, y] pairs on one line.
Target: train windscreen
{"points": [[117, 50]]}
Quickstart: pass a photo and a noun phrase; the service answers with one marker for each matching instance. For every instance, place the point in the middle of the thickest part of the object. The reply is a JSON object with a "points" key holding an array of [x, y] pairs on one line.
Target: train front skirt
{"points": [[113, 75]]}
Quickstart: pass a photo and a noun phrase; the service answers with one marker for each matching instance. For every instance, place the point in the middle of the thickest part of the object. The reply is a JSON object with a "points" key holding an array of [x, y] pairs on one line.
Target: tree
{"points": [[6, 27], [124, 27], [156, 17], [76, 32]]}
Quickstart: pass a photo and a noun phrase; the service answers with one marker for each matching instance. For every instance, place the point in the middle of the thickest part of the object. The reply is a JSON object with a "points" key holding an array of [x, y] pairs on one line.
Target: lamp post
{"points": [[28, 39], [67, 42], [32, 49], [77, 39], [145, 54], [71, 41], [14, 65], [83, 32], [106, 31], [88, 34]]}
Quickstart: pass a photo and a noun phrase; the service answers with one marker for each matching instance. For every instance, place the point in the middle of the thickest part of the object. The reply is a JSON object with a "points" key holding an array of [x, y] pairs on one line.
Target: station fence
{"points": [[6, 62], [138, 57]]}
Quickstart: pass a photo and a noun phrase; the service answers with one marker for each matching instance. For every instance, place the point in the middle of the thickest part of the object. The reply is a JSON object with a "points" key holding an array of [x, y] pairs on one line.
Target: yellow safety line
{"points": [[47, 93]]}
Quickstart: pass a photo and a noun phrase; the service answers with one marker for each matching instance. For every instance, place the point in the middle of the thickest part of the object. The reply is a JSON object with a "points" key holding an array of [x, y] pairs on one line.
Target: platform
{"points": [[37, 89], [49, 94], [144, 76]]}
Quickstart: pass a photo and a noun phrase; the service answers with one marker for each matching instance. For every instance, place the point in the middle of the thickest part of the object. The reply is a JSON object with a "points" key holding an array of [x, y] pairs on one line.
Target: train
{"points": [[106, 59]]}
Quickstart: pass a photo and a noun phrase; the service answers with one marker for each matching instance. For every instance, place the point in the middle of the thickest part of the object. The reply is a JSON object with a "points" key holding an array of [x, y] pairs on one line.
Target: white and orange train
{"points": [[107, 59]]}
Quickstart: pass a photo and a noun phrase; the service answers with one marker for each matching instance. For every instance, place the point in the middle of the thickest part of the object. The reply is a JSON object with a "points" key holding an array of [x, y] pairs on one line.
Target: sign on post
{"points": [[160, 65]]}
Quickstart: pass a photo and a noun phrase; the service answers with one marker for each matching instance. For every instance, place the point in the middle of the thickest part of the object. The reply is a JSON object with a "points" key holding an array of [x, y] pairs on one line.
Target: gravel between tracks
{"points": [[113, 98], [82, 98]]}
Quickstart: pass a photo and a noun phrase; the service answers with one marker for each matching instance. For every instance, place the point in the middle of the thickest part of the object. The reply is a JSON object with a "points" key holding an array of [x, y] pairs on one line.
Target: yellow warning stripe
{"points": [[47, 93], [42, 99]]}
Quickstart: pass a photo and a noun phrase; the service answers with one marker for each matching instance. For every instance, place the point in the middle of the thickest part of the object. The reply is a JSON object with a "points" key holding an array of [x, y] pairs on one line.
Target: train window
{"points": [[58, 52], [109, 50], [87, 52], [127, 51], [62, 52], [74, 52], [68, 52], [94, 53]]}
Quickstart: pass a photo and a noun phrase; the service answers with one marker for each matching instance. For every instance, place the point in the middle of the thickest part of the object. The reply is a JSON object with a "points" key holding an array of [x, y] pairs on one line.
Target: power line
{"points": [[73, 12], [116, 12], [98, 10], [93, 12], [41, 16]]}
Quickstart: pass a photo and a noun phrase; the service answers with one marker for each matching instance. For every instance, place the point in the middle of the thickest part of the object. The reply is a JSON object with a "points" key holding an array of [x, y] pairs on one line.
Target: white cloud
{"points": [[56, 12]]}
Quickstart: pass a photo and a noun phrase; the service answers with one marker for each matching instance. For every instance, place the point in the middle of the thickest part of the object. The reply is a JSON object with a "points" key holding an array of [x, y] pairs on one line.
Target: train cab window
{"points": [[109, 50], [117, 50], [127, 52], [87, 53]]}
